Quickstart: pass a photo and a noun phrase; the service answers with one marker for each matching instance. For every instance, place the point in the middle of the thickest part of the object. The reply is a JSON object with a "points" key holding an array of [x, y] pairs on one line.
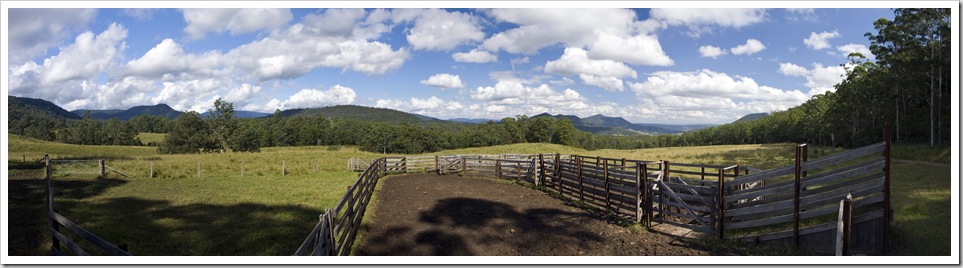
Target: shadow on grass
{"points": [[456, 223], [152, 227], [155, 227]]}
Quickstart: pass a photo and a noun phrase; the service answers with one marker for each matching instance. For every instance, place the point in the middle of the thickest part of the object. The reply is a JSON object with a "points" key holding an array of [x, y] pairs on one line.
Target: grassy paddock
{"points": [[265, 213]]}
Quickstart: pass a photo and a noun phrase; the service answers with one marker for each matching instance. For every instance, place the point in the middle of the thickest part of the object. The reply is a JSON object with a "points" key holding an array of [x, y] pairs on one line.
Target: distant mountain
{"points": [[362, 113], [473, 120], [158, 110], [750, 117], [600, 124], [242, 114], [39, 107]]}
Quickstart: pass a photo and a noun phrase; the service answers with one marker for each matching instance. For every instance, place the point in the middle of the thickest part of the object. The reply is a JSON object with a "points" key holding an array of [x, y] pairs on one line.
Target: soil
{"points": [[428, 214]]}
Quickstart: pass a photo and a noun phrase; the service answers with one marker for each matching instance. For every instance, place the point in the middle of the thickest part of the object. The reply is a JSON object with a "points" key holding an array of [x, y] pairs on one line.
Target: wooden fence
{"points": [[334, 233], [812, 195], [57, 221]]}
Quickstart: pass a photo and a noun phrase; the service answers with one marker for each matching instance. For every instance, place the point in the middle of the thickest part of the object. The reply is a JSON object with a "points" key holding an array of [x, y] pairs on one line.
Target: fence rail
{"points": [[57, 220]]}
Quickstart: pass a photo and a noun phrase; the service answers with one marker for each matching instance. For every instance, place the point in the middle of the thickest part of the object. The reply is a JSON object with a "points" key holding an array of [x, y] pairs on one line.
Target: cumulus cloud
{"points": [[475, 56], [750, 47], [432, 106], [709, 96], [201, 21], [33, 31], [606, 74], [711, 52], [701, 20], [509, 98], [167, 59], [820, 40], [538, 28], [443, 81], [637, 50], [858, 48], [819, 79], [312, 98], [576, 61], [436, 29], [60, 78]]}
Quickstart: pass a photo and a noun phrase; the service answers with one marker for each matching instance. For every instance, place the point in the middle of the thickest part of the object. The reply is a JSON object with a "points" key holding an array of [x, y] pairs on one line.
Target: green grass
{"points": [[265, 213], [147, 138]]}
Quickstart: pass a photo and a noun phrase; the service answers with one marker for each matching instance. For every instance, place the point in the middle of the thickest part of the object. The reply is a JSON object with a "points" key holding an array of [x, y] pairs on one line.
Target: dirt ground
{"points": [[427, 214]]}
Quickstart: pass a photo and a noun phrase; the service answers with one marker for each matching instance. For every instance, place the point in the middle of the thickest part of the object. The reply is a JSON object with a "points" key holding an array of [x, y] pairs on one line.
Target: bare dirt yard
{"points": [[428, 214]]}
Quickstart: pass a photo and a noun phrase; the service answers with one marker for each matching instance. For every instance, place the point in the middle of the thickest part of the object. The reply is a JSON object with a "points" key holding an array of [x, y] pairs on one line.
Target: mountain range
{"points": [[597, 124]]}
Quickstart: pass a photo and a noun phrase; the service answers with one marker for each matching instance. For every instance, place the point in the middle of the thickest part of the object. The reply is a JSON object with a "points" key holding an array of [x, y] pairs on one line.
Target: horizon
{"points": [[647, 66]]}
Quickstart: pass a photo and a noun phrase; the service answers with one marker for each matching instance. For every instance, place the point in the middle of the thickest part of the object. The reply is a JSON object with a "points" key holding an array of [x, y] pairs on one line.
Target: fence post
{"points": [[887, 209], [578, 163], [151, 169], [437, 167], [55, 243], [558, 173], [844, 225], [283, 166], [722, 203], [404, 165], [102, 171], [795, 200], [639, 191], [666, 169], [605, 174], [464, 166], [541, 168], [498, 168]]}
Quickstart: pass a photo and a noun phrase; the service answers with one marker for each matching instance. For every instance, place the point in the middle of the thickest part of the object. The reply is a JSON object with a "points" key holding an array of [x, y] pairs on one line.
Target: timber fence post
{"points": [[795, 200], [102, 171], [541, 168], [722, 203], [887, 207]]}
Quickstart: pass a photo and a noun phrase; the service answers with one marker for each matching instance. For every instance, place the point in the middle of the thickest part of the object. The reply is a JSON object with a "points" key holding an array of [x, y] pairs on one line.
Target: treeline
{"points": [[907, 87]]}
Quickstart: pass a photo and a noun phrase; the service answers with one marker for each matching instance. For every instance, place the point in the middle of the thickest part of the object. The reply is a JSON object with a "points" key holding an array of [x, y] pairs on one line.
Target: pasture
{"points": [[220, 212]]}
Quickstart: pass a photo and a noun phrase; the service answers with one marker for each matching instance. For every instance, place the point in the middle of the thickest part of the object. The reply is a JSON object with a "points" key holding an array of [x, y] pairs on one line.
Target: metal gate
{"points": [[684, 203]]}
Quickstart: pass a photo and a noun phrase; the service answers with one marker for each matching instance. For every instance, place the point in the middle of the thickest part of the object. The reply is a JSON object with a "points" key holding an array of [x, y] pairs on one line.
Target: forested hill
{"points": [[162, 110], [37, 107], [362, 113], [750, 117]]}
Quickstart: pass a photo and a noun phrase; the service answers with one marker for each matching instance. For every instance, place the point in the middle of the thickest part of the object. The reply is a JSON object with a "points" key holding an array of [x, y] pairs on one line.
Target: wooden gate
{"points": [[448, 164], [683, 203]]}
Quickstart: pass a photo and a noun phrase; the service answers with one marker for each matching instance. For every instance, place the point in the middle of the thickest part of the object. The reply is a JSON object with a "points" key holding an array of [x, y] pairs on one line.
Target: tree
{"points": [[189, 134], [222, 122]]}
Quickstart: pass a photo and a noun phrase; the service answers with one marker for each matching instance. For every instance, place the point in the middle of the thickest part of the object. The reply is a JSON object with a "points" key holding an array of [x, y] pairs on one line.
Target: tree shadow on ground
{"points": [[152, 227], [457, 225]]}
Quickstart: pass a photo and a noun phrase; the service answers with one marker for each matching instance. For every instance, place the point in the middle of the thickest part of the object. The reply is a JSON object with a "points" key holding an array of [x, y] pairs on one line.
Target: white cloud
{"points": [[806, 14], [792, 69], [711, 52], [518, 61], [432, 106], [201, 21], [475, 56], [313, 98], [819, 79], [167, 59], [606, 74], [701, 20], [538, 28], [707, 96], [611, 84], [576, 61], [437, 29], [32, 31], [507, 99], [443, 81], [637, 50], [820, 40], [750, 47], [859, 48]]}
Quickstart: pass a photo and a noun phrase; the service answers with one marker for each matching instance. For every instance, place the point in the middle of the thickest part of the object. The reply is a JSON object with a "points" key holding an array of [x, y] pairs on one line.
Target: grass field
{"points": [[264, 213]]}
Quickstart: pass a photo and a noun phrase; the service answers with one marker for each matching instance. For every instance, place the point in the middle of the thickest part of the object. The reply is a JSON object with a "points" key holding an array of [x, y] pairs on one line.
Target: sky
{"points": [[658, 65]]}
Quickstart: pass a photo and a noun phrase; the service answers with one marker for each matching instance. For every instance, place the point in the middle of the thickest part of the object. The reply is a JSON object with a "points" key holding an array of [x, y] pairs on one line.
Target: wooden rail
{"points": [[57, 221]]}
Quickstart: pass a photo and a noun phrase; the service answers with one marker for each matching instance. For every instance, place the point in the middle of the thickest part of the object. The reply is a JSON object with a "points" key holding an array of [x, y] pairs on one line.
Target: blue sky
{"points": [[675, 65]]}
